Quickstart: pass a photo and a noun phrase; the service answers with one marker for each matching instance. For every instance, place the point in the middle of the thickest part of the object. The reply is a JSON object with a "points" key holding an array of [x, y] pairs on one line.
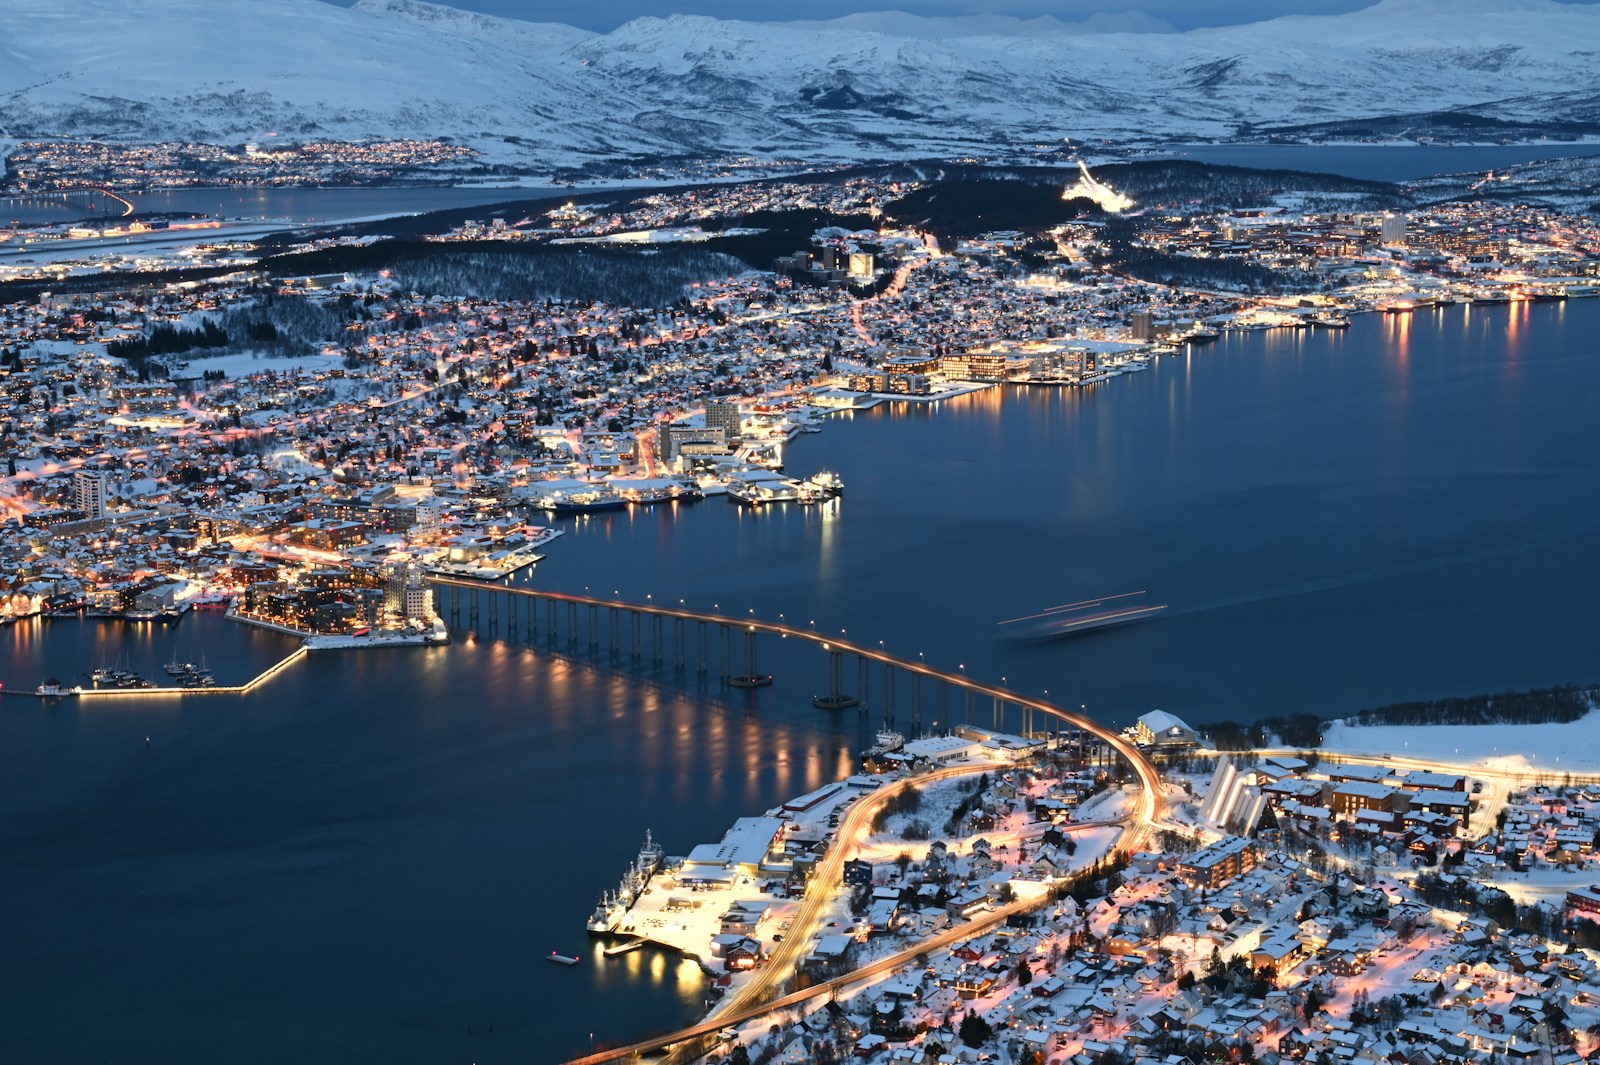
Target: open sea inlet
{"points": [[366, 859]]}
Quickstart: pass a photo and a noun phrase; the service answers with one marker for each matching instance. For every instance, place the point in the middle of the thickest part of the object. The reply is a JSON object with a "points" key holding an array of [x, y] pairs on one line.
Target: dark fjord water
{"points": [[367, 857]]}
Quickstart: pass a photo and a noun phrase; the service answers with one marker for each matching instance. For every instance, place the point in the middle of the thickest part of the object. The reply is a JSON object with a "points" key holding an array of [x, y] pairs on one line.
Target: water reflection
{"points": [[479, 797]]}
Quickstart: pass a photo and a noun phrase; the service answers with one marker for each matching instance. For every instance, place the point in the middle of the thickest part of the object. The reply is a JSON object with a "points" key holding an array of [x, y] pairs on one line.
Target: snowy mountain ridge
{"points": [[536, 95]]}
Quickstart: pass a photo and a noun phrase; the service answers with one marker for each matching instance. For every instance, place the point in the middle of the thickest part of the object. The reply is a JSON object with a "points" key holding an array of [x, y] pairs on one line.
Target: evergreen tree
{"points": [[974, 1030]]}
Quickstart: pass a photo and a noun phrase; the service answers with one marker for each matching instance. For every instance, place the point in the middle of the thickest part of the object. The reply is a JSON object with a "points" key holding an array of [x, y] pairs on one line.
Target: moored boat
{"points": [[586, 502], [561, 959], [828, 482]]}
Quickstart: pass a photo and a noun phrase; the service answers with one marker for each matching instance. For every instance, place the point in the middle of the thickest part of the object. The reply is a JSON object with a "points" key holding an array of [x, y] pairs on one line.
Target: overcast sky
{"points": [[1180, 14]]}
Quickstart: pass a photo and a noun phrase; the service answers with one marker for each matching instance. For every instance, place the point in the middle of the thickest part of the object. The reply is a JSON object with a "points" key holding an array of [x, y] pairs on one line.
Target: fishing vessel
{"points": [[608, 913], [1090, 615], [649, 493], [827, 482], [889, 742], [650, 855], [613, 906], [584, 502]]}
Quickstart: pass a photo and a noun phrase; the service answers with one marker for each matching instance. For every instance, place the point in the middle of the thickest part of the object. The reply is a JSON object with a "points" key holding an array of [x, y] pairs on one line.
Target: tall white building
{"points": [[90, 489], [406, 591], [1394, 228], [1231, 803]]}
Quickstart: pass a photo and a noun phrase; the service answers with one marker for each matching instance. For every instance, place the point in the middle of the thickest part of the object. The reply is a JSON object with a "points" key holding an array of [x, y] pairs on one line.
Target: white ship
{"points": [[889, 742], [650, 855], [613, 906], [826, 481], [608, 913]]}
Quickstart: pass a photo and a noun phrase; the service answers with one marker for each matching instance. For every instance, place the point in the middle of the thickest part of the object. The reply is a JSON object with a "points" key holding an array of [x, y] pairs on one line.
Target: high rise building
{"points": [[90, 489], [724, 416], [406, 591], [1394, 228]]}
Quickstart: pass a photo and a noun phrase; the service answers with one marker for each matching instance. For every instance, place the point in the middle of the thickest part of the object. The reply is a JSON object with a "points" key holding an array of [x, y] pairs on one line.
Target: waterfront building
{"points": [[741, 852], [908, 363], [1161, 729], [405, 591], [975, 366], [675, 439]]}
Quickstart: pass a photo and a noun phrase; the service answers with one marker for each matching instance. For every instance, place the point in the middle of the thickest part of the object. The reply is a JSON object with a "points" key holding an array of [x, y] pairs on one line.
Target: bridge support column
{"points": [[633, 634], [702, 657], [677, 643], [750, 678], [655, 639], [835, 699], [888, 696], [725, 671]]}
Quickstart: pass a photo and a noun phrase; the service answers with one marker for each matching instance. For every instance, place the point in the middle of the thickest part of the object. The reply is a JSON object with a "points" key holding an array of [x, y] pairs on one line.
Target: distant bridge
{"points": [[67, 197]]}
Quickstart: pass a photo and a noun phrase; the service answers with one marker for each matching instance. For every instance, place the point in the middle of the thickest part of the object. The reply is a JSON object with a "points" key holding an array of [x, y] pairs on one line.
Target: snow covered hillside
{"points": [[540, 95]]}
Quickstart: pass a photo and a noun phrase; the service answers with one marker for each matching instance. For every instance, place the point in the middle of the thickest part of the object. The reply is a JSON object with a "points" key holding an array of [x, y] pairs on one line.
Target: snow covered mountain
{"points": [[540, 95]]}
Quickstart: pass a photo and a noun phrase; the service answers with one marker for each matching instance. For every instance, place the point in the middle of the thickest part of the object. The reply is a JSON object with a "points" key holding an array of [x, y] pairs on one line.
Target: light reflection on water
{"points": [[375, 851]]}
